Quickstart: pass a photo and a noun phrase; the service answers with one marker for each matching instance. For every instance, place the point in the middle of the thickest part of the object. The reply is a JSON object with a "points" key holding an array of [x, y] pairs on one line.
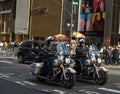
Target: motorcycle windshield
{"points": [[62, 48], [93, 49]]}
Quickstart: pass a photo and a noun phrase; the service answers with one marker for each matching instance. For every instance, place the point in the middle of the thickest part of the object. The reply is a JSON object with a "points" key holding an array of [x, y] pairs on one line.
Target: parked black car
{"points": [[29, 50]]}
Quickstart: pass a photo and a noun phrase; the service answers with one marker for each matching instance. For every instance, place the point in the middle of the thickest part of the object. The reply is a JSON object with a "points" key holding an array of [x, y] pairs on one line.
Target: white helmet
{"points": [[50, 39], [81, 41]]}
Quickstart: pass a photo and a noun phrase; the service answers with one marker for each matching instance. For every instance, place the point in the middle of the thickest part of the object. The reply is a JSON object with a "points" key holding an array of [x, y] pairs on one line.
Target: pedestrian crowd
{"points": [[5, 44], [111, 55], [8, 47]]}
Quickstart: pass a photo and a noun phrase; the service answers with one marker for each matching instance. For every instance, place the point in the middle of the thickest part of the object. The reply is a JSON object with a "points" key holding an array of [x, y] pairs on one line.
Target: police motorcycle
{"points": [[57, 67], [91, 68]]}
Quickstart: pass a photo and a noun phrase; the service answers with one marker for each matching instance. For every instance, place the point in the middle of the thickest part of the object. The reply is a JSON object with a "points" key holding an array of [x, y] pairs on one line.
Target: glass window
{"points": [[27, 44]]}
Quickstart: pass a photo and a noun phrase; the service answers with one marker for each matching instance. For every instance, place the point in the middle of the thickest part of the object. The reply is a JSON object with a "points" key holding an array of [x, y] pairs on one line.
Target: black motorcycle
{"points": [[91, 68], [56, 67]]}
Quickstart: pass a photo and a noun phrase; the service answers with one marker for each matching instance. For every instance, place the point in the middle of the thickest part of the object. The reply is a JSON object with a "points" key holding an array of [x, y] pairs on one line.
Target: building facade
{"points": [[38, 19], [115, 22], [45, 19], [22, 20], [7, 19], [112, 23]]}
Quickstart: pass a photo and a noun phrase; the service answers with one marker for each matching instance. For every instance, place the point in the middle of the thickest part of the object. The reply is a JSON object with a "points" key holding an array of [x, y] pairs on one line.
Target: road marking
{"points": [[45, 90], [6, 62], [110, 90], [59, 91], [88, 92], [3, 75], [27, 82], [21, 83]]}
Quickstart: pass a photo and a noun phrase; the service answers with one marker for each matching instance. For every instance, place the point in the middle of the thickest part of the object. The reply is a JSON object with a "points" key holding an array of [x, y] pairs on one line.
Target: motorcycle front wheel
{"points": [[102, 79], [69, 81]]}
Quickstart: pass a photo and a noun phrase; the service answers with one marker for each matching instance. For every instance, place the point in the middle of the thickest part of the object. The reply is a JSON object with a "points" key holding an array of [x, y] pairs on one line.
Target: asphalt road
{"points": [[15, 79]]}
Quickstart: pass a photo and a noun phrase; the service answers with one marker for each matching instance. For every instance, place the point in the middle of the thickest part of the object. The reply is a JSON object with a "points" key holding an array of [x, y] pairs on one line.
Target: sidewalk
{"points": [[9, 57], [114, 67]]}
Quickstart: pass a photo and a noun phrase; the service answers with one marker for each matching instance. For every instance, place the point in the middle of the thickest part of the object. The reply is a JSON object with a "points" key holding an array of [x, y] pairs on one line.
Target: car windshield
{"points": [[41, 44]]}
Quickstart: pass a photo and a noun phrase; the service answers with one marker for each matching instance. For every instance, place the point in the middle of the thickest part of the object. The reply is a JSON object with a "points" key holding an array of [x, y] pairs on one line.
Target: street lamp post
{"points": [[71, 23]]}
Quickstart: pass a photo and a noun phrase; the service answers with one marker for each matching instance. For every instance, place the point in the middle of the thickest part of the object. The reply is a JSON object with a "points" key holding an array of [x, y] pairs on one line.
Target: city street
{"points": [[59, 33], [15, 79]]}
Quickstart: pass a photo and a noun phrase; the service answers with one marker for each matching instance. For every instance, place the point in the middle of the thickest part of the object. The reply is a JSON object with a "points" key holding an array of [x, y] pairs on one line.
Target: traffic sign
{"points": [[75, 3]]}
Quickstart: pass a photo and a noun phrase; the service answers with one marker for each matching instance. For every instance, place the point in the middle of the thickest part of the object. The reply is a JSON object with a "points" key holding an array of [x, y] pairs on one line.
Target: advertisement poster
{"points": [[92, 17], [98, 20], [85, 22]]}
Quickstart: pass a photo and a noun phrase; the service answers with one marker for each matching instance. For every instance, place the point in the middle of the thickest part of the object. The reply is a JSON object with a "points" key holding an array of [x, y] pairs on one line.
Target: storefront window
{"points": [[6, 20]]}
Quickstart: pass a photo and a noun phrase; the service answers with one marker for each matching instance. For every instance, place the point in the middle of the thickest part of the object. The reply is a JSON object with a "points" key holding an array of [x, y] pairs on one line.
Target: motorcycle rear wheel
{"points": [[70, 81], [102, 79]]}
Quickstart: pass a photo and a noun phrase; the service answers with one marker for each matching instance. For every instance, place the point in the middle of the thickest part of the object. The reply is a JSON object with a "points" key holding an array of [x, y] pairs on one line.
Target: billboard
{"points": [[22, 16], [92, 16]]}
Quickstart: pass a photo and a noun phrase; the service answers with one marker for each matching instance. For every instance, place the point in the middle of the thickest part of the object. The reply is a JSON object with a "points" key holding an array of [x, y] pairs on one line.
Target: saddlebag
{"points": [[35, 67]]}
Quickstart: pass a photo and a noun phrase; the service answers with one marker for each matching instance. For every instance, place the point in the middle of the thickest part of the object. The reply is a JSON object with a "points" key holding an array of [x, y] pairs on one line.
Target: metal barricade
{"points": [[10, 51]]}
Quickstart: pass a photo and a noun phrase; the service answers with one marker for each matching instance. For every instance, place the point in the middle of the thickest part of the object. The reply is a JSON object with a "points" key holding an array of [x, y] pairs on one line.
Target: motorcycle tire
{"points": [[70, 81], [102, 79], [20, 59], [40, 79]]}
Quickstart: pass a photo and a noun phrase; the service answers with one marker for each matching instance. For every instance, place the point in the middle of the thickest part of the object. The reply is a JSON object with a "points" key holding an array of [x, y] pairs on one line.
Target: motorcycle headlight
{"points": [[67, 60], [60, 57], [98, 55], [93, 57], [99, 60], [93, 54], [61, 53]]}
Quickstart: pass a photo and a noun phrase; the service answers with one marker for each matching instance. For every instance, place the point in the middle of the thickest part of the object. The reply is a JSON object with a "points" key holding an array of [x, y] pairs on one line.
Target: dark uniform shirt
{"points": [[81, 52]]}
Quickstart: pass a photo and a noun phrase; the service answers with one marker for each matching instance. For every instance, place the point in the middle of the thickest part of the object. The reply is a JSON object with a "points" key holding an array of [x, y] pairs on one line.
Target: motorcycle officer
{"points": [[81, 49], [50, 46], [81, 54], [50, 49]]}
